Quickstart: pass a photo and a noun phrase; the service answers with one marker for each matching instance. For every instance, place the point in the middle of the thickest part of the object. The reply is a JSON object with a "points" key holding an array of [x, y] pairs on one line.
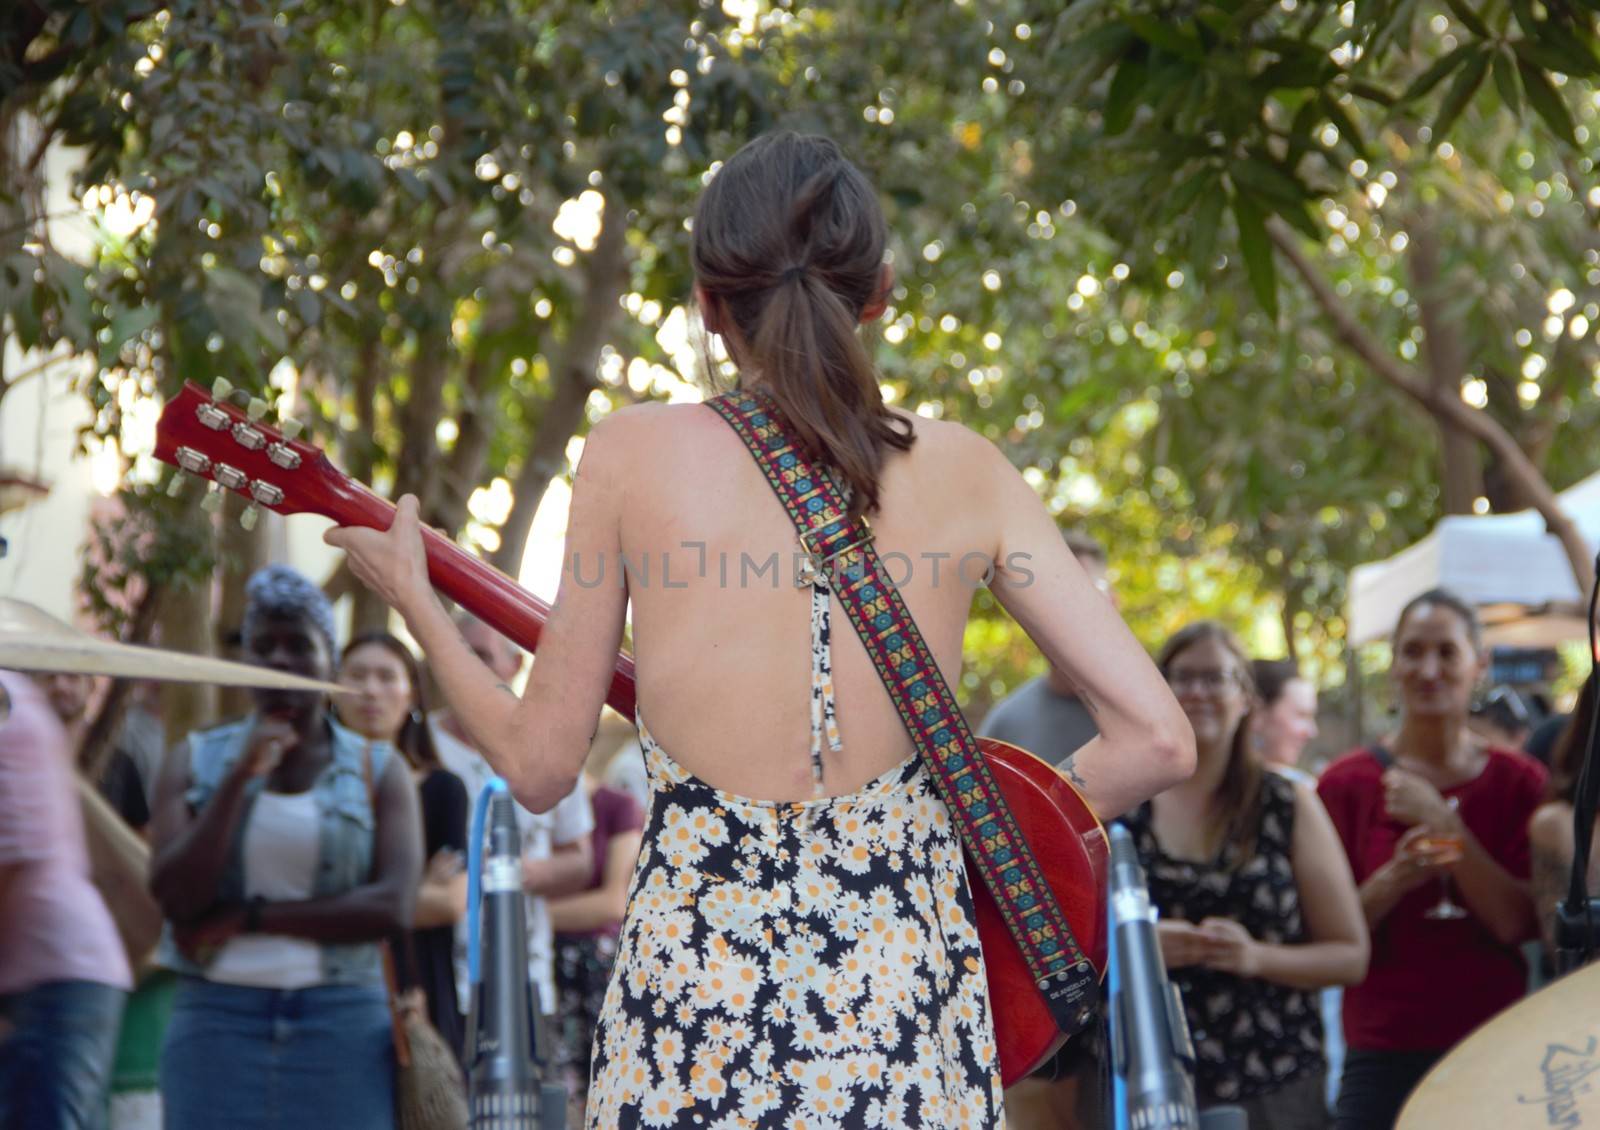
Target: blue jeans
{"points": [[238, 1058], [55, 1060]]}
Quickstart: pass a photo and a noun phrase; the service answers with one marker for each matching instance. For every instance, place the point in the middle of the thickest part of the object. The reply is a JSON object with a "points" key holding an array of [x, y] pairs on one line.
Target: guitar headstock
{"points": [[214, 437]]}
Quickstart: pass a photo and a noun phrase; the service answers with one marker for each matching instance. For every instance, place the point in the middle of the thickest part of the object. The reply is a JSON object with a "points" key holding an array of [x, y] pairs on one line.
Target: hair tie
{"points": [[792, 274]]}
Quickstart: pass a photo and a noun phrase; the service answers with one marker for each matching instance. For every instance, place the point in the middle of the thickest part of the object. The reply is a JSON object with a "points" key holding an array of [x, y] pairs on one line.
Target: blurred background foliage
{"points": [[1177, 259]]}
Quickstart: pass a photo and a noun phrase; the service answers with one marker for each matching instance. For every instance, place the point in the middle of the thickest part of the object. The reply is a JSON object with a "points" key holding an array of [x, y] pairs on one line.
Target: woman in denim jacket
{"points": [[286, 848]]}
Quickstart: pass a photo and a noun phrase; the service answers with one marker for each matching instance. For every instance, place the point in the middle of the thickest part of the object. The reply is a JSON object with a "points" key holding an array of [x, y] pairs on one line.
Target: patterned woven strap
{"points": [[840, 549]]}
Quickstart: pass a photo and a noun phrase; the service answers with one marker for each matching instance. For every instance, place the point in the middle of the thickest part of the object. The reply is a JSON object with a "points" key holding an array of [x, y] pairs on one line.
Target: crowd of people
{"points": [[283, 850], [288, 845], [1413, 866]]}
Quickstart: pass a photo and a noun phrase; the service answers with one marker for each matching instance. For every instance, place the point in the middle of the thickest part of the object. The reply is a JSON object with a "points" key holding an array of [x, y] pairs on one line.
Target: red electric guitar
{"points": [[213, 438]]}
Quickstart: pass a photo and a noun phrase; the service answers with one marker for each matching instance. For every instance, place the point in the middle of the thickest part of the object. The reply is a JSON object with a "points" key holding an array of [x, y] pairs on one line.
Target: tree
{"points": [[1256, 112]]}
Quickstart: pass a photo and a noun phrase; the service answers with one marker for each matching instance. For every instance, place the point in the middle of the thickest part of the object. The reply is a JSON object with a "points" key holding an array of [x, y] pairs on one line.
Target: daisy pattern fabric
{"points": [[810, 965]]}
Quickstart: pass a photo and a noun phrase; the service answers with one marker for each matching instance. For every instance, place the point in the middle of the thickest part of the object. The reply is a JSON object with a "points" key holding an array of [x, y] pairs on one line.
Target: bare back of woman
{"points": [[832, 959]]}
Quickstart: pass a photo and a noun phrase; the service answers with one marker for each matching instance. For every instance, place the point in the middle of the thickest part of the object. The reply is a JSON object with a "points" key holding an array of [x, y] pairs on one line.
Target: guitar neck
{"points": [[478, 587]]}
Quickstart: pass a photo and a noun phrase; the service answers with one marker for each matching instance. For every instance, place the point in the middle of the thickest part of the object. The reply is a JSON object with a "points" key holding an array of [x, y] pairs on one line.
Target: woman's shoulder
{"points": [[1278, 787], [1550, 828], [1514, 775]]}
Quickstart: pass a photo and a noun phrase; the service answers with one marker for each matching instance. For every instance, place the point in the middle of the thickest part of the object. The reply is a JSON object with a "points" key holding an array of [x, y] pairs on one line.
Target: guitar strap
{"points": [[840, 553]]}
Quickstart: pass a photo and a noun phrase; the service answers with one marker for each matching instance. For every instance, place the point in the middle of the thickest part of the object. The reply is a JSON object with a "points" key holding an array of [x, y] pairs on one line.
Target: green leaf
{"points": [[1093, 55], [1435, 74], [1461, 91], [1346, 125], [1371, 93], [1265, 179], [1257, 250], [1506, 80], [1573, 47], [1523, 10], [1300, 136], [1299, 217], [1122, 99], [127, 325], [1469, 18], [1187, 194], [1203, 229], [1547, 101], [1165, 34]]}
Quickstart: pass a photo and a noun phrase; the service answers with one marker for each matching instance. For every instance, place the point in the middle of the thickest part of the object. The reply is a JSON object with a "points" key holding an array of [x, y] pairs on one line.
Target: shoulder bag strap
{"points": [[397, 1024], [838, 549]]}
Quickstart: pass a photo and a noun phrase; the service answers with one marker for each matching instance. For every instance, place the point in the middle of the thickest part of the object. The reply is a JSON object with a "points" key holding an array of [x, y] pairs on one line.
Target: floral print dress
{"points": [[811, 965]]}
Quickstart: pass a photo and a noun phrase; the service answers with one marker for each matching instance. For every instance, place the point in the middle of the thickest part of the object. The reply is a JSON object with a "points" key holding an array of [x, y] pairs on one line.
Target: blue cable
{"points": [[475, 876], [1119, 1084]]}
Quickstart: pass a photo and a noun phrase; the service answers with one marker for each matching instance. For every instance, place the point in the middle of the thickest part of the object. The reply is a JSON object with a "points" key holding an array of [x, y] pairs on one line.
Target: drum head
{"points": [[1535, 1065]]}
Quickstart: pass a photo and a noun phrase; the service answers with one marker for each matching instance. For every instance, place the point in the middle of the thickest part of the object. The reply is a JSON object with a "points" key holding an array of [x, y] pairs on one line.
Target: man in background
{"points": [[120, 783], [556, 857]]}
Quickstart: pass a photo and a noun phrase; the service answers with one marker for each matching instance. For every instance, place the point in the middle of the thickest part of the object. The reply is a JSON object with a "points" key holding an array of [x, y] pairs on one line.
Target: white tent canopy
{"points": [[1507, 564]]}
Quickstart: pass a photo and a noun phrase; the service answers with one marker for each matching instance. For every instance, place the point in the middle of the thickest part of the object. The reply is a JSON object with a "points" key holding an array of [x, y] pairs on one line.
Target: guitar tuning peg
{"points": [[251, 515], [291, 428], [175, 487], [221, 388], [212, 502], [256, 409]]}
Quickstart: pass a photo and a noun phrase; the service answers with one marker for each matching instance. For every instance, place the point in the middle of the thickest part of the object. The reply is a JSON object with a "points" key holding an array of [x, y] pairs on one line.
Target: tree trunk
{"points": [[186, 626], [100, 739], [463, 472], [605, 275], [418, 470], [1450, 408], [1291, 607], [1356, 693], [1461, 474], [242, 552], [367, 610]]}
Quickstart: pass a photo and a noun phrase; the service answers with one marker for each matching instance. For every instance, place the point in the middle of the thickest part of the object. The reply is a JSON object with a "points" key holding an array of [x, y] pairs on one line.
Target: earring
{"points": [[416, 716]]}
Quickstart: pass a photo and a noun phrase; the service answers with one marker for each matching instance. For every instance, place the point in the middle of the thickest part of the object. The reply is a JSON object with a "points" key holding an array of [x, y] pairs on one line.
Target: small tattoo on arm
{"points": [[1550, 880], [1069, 769]]}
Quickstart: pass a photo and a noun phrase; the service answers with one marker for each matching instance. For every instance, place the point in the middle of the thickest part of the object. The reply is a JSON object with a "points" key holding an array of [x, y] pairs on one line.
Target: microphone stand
{"points": [[508, 1087], [1150, 1051], [1575, 918]]}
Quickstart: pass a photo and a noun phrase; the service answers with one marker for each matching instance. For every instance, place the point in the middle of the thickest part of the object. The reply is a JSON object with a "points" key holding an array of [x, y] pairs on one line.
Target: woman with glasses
{"points": [[1435, 822], [1258, 909]]}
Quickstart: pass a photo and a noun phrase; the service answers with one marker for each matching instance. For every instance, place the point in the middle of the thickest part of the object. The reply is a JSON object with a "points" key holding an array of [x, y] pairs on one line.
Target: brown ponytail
{"points": [[789, 248]]}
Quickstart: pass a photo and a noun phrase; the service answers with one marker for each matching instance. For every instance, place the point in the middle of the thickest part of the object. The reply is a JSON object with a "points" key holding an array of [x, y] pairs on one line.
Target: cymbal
{"points": [[1535, 1065], [33, 640]]}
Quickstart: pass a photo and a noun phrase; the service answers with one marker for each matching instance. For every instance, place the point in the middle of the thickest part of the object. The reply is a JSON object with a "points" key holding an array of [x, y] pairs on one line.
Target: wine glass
{"points": [[1444, 849]]}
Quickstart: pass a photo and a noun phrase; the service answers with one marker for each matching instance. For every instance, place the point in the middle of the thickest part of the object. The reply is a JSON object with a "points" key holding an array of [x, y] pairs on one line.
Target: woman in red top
{"points": [[1436, 827]]}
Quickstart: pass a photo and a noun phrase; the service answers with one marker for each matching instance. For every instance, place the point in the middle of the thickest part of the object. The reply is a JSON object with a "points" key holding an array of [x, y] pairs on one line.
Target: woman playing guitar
{"points": [[799, 946]]}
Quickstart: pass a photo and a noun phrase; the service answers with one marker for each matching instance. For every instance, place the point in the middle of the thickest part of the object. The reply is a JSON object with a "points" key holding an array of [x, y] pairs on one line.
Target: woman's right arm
{"points": [[1405, 871], [607, 904], [1550, 842], [189, 850], [1145, 744]]}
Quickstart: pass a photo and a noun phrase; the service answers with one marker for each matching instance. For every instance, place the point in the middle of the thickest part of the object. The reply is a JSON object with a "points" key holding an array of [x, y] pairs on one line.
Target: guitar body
{"points": [[216, 440], [1070, 844]]}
